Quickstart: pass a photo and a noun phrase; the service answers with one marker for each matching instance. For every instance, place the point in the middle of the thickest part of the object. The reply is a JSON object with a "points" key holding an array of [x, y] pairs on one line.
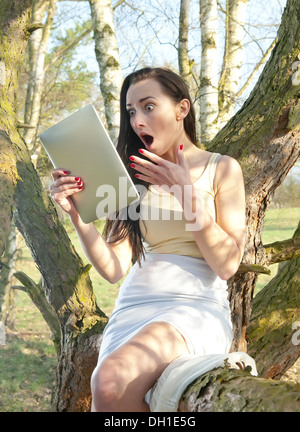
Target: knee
{"points": [[106, 388]]}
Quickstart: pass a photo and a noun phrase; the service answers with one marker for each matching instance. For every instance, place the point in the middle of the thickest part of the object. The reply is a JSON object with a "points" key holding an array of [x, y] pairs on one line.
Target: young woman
{"points": [[174, 299]]}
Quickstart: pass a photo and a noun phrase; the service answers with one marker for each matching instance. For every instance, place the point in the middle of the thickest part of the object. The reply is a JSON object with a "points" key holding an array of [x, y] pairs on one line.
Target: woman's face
{"points": [[153, 116]]}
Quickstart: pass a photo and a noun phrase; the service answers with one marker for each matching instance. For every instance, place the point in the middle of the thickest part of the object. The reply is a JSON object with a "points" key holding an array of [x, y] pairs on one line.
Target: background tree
{"points": [[107, 54]]}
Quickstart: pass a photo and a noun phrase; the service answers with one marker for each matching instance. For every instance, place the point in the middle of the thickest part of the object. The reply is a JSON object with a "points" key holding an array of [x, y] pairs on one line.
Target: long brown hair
{"points": [[129, 143]]}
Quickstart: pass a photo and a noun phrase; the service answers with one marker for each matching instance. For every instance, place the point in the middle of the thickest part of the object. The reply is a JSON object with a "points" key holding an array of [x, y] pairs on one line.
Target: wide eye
{"points": [[131, 112], [149, 107]]}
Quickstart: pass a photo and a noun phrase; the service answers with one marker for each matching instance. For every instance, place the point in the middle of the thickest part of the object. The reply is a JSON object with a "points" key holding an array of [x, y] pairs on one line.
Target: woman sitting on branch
{"points": [[174, 299]]}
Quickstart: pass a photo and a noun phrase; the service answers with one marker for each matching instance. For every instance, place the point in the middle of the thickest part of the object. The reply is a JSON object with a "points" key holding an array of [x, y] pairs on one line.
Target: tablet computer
{"points": [[81, 144]]}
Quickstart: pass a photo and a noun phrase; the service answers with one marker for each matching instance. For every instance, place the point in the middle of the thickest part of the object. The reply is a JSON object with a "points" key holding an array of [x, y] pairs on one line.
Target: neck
{"points": [[188, 149]]}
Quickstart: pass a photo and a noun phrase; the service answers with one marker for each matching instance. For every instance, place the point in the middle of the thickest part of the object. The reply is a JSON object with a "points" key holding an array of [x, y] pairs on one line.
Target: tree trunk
{"points": [[7, 295], [183, 44], [233, 56], [264, 137], [14, 20], [107, 54], [209, 70], [37, 53]]}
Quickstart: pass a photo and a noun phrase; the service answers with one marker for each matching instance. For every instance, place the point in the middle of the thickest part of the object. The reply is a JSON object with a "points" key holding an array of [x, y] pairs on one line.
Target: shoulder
{"points": [[228, 172]]}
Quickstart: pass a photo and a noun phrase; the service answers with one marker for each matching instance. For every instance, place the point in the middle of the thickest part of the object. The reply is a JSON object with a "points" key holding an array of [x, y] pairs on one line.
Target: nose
{"points": [[138, 120]]}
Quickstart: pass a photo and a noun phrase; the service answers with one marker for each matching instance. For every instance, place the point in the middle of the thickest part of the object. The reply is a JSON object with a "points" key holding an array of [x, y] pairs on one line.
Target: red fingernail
{"points": [[181, 147], [131, 158], [80, 187], [80, 183], [136, 175], [77, 179], [141, 151], [66, 172], [132, 165]]}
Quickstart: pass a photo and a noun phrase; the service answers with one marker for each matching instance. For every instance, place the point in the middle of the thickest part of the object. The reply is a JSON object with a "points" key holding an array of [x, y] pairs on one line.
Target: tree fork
{"points": [[38, 297]]}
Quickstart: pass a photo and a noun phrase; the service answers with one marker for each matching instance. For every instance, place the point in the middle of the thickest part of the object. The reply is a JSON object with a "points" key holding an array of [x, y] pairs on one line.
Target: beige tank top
{"points": [[163, 226]]}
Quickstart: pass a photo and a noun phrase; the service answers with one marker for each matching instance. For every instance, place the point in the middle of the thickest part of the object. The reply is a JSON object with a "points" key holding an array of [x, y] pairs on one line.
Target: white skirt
{"points": [[180, 290]]}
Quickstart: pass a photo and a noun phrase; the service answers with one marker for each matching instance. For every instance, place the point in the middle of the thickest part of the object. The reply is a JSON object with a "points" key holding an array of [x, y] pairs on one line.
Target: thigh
{"points": [[139, 362]]}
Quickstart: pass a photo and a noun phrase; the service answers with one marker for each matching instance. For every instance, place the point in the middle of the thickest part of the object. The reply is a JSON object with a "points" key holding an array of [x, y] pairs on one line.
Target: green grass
{"points": [[28, 360], [279, 224]]}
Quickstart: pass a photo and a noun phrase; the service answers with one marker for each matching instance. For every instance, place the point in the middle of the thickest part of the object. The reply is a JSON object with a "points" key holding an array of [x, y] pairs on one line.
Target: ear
{"points": [[183, 108]]}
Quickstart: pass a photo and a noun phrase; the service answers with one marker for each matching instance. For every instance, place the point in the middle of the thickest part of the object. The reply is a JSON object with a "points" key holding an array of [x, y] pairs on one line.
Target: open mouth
{"points": [[147, 139]]}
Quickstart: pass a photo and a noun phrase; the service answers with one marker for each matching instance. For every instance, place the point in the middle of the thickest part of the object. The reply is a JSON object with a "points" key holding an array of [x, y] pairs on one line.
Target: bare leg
{"points": [[121, 381]]}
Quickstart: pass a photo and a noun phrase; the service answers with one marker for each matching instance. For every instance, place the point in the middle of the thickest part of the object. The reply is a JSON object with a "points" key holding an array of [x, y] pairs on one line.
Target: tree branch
{"points": [[34, 26], [255, 268], [282, 250], [225, 390], [37, 295]]}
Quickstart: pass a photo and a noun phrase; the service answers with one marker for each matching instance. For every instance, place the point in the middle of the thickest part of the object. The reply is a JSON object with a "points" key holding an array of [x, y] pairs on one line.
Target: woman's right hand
{"points": [[63, 187]]}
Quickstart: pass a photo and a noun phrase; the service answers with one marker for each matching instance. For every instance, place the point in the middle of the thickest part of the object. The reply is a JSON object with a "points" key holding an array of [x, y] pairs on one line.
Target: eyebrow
{"points": [[143, 99]]}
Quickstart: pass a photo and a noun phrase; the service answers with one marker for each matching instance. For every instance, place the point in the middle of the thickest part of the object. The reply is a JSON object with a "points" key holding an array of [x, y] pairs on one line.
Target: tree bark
{"points": [[14, 19], [107, 54], [264, 137], [224, 390]]}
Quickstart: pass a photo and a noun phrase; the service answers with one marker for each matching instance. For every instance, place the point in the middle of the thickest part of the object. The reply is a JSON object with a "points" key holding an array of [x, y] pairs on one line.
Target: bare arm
{"points": [[110, 260], [221, 242]]}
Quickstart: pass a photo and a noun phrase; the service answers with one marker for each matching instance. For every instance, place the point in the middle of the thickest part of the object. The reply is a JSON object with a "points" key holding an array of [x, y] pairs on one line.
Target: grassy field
{"points": [[28, 360], [279, 224]]}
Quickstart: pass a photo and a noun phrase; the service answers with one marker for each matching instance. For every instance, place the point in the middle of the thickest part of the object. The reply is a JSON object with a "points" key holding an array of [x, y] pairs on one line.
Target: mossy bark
{"points": [[224, 390], [14, 19]]}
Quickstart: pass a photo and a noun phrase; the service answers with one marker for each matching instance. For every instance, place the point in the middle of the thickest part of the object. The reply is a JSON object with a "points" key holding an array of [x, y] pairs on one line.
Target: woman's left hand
{"points": [[161, 172]]}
